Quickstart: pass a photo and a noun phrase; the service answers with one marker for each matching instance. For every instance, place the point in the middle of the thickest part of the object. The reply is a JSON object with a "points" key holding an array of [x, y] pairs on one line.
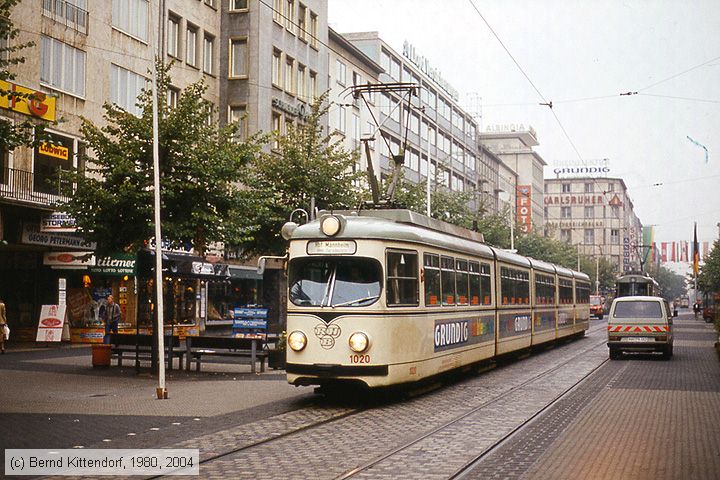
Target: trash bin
{"points": [[101, 355]]}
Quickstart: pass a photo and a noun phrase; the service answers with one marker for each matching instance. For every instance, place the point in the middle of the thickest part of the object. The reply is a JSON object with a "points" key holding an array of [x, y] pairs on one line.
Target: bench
{"points": [[126, 343], [253, 348]]}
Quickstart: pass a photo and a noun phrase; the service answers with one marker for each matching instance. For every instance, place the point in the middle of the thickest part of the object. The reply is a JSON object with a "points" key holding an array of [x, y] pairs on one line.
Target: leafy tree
{"points": [[200, 167], [709, 276], [671, 284], [548, 250], [306, 163], [13, 135], [607, 271]]}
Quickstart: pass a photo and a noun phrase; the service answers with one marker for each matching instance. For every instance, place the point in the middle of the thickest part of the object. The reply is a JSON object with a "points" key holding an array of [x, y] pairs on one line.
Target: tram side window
{"points": [[461, 281], [402, 278], [447, 278], [479, 283], [514, 286], [566, 292], [544, 290], [582, 292], [432, 279]]}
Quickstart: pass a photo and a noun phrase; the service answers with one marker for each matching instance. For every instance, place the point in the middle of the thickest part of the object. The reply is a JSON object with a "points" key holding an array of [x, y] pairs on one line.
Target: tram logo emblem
{"points": [[327, 335]]}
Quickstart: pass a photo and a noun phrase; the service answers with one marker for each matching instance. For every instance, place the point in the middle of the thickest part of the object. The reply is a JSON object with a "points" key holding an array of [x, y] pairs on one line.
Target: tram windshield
{"points": [[334, 282]]}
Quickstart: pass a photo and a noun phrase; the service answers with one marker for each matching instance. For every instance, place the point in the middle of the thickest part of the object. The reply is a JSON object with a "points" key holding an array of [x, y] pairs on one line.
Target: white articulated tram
{"points": [[388, 297]]}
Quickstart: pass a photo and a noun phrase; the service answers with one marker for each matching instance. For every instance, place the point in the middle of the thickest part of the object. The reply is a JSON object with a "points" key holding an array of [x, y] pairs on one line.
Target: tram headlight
{"points": [[297, 340], [331, 225], [359, 342]]}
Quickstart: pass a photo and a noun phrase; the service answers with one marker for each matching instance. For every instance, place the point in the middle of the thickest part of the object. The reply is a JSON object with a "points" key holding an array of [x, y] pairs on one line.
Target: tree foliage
{"points": [[547, 249], [28, 131], [709, 275], [307, 164], [671, 284], [200, 166]]}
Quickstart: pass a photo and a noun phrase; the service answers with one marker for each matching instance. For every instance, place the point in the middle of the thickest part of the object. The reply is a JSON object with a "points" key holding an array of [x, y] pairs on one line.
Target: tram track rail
{"points": [[355, 411], [468, 466]]}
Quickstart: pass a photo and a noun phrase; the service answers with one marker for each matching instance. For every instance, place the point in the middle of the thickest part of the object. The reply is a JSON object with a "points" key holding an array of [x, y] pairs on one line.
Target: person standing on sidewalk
{"points": [[3, 324], [111, 318]]}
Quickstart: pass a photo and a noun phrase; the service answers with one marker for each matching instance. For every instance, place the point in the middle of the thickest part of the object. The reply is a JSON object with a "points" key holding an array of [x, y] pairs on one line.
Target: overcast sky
{"points": [[574, 52]]}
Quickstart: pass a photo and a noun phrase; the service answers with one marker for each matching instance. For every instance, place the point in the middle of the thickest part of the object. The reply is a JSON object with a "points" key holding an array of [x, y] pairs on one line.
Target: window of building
{"points": [[300, 84], [589, 212], [173, 95], [565, 188], [208, 54], [314, 29], [615, 236], [313, 86], [191, 38], [616, 211], [565, 235], [341, 119], [395, 68], [289, 75], [611, 187], [125, 88], [173, 36], [290, 15], [238, 114], [413, 160], [565, 212], [277, 129], [356, 127], [278, 11], [302, 21], [210, 3], [238, 5], [238, 57], [340, 72], [589, 236], [62, 66], [71, 13], [589, 187], [131, 17], [276, 73]]}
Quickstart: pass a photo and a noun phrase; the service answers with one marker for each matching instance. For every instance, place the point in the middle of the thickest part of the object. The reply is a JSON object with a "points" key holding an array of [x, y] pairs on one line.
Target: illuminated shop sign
{"points": [[523, 208], [58, 222], [574, 199], [296, 111], [580, 170], [29, 102]]}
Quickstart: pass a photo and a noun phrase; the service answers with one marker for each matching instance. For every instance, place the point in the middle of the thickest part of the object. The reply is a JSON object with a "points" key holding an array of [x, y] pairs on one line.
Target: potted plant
{"points": [[276, 356]]}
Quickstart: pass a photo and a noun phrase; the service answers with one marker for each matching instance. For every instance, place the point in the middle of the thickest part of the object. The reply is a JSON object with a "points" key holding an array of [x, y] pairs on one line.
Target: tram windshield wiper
{"points": [[357, 300]]}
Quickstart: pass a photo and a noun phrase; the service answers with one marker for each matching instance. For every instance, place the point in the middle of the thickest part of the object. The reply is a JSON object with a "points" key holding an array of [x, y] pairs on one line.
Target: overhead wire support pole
{"points": [[161, 390]]}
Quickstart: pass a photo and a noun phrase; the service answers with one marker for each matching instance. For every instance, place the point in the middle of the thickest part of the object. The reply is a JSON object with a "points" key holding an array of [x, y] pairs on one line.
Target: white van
{"points": [[640, 324]]}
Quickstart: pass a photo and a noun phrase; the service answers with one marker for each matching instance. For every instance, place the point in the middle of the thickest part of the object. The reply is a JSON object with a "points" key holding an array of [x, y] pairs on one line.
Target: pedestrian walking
{"points": [[696, 308], [3, 325], [111, 318]]}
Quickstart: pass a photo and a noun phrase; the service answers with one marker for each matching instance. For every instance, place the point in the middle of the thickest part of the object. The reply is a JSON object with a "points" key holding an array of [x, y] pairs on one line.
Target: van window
{"points": [[639, 309]]}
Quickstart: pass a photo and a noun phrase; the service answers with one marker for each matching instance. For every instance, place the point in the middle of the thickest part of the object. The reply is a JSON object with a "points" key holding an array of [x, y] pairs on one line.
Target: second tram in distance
{"points": [[388, 297], [636, 283]]}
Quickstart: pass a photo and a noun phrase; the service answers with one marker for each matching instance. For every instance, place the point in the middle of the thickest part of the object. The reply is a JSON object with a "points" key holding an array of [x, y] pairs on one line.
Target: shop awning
{"points": [[176, 264], [244, 273]]}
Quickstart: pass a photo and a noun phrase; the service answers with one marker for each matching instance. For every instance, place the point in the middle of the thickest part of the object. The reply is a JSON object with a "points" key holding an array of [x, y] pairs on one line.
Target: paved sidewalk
{"points": [[54, 398]]}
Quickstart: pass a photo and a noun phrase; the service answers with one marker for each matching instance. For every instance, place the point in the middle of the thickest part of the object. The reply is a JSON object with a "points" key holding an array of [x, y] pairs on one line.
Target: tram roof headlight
{"points": [[331, 225], [288, 229], [297, 340], [359, 342]]}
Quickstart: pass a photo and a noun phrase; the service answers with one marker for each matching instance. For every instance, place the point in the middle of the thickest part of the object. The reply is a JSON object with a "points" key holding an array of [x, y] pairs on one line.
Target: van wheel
{"points": [[615, 354], [600, 317], [668, 352]]}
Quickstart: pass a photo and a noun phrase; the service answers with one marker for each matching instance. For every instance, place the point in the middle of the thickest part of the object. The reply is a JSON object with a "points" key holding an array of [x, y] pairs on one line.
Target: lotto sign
{"points": [[50, 326], [523, 207]]}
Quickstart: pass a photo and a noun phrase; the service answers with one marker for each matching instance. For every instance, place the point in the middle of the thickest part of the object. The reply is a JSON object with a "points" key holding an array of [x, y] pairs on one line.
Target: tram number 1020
{"points": [[359, 358]]}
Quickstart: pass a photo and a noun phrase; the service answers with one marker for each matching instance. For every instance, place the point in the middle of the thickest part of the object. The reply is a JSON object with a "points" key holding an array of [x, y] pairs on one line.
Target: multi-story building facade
{"points": [[513, 145], [353, 117], [273, 61], [432, 125], [596, 214], [263, 63]]}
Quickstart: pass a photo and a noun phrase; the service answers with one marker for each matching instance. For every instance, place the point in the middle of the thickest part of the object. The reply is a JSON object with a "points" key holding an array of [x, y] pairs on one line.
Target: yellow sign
{"points": [[57, 151], [36, 104]]}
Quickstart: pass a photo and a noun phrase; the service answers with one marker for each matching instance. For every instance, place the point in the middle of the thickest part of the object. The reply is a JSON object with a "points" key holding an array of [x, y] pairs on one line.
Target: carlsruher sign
{"points": [[424, 65]]}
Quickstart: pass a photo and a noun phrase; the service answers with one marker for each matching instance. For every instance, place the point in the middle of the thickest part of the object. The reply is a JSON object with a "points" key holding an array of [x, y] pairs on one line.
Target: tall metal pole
{"points": [[597, 275], [161, 390]]}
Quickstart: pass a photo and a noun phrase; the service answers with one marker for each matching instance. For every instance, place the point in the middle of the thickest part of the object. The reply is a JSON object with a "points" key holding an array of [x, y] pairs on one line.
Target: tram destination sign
{"points": [[332, 247]]}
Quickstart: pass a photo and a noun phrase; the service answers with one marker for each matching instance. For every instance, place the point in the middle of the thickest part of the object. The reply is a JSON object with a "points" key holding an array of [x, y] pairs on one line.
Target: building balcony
{"points": [[23, 187], [67, 14]]}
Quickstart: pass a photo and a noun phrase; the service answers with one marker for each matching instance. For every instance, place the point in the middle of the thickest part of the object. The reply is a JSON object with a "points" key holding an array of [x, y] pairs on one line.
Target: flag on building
{"points": [[663, 252], [673, 251], [696, 252]]}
